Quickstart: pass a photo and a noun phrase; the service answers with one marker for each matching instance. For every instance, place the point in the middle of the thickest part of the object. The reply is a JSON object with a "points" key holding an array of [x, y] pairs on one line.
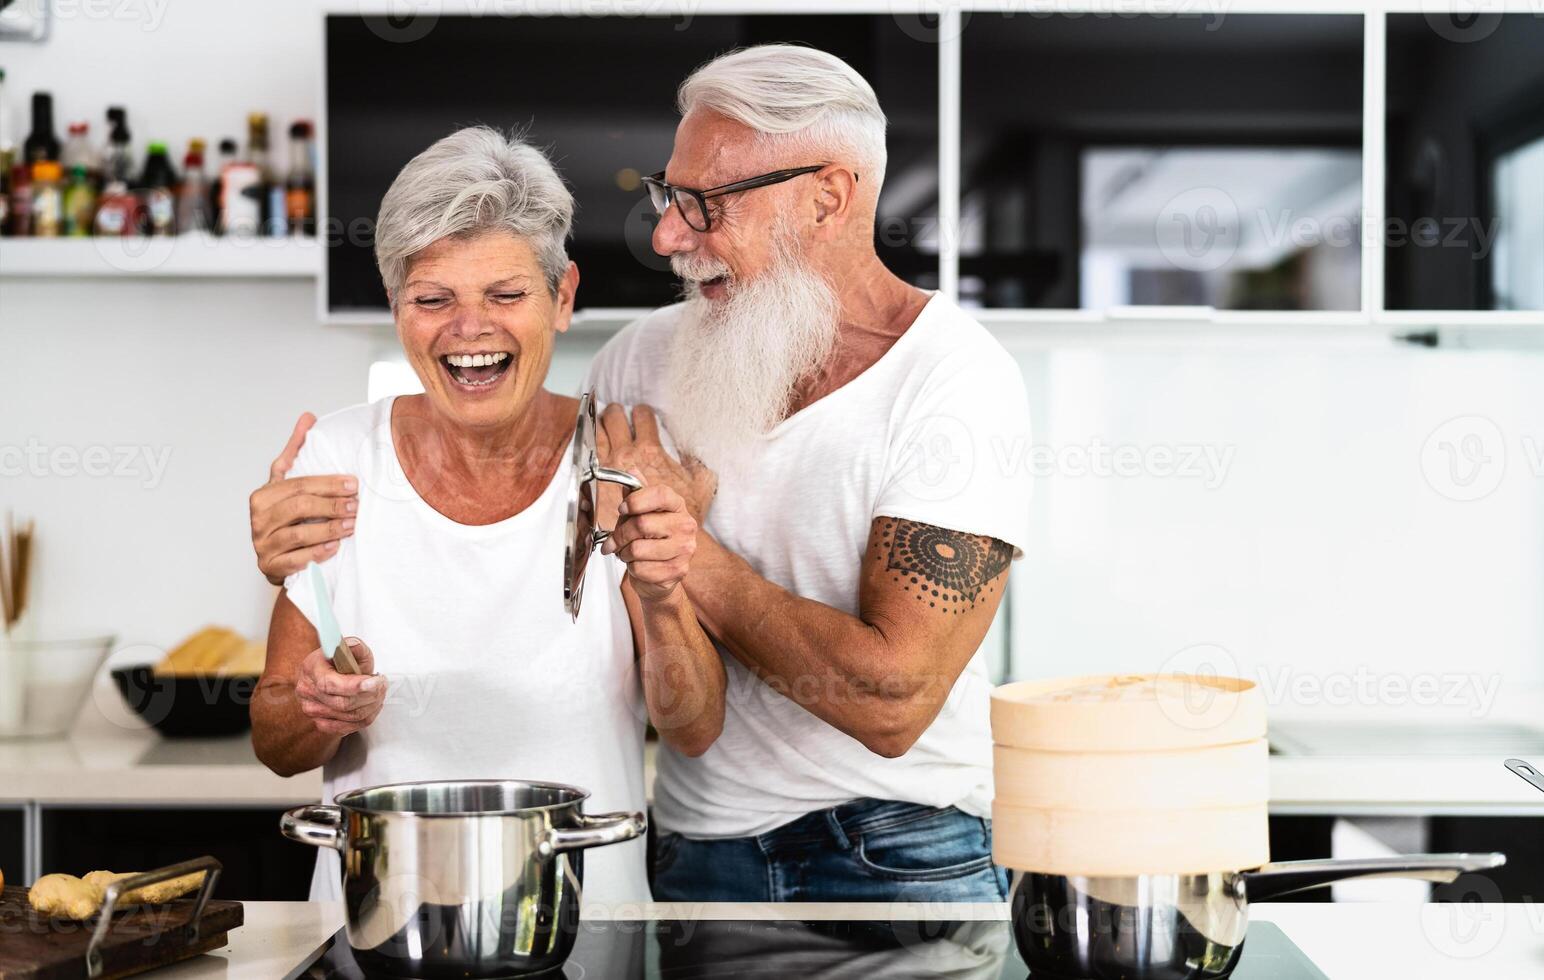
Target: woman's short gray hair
{"points": [[795, 95], [475, 179]]}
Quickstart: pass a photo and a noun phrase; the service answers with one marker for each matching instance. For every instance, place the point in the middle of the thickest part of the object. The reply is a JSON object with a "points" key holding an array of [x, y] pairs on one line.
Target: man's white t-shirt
{"points": [[489, 677], [921, 435]]}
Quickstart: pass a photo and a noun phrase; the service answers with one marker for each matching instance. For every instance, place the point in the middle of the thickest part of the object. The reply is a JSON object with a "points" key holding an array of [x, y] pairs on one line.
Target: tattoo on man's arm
{"points": [[949, 570]]}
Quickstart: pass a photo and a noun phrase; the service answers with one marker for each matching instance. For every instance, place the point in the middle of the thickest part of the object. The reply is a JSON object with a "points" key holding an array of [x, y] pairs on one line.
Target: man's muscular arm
{"points": [[927, 596]]}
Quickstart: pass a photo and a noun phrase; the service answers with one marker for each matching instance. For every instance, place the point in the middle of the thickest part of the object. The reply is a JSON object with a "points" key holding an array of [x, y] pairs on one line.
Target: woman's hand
{"points": [[340, 704], [656, 536]]}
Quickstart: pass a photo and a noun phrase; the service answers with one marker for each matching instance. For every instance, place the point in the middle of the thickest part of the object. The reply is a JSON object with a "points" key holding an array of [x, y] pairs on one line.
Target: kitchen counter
{"points": [[1482, 942], [104, 761]]}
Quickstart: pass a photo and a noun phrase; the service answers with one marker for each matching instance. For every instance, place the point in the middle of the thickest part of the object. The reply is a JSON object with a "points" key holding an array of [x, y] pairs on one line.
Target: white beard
{"points": [[735, 361]]}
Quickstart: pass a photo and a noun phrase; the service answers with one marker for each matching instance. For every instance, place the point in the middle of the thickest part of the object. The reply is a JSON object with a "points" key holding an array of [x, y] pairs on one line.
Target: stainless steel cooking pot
{"points": [[1178, 927], [461, 879]]}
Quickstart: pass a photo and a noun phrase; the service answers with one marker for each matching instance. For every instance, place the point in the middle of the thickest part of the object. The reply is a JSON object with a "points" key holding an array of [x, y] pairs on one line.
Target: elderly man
{"points": [[857, 547]]}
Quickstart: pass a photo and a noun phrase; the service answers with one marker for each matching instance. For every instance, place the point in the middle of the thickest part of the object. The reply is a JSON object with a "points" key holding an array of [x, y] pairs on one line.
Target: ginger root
{"points": [[161, 891], [65, 897], [69, 897]]}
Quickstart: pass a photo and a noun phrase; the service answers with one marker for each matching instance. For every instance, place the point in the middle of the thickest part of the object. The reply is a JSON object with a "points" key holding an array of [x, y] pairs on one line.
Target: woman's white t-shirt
{"points": [[488, 675]]}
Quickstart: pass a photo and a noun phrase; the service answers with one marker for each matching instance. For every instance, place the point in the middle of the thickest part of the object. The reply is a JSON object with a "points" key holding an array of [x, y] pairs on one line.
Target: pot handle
{"points": [[317, 824], [1285, 877], [605, 474], [594, 830]]}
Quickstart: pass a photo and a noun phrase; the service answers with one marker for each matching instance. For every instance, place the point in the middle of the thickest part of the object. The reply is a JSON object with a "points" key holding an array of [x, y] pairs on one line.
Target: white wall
{"points": [[1335, 537]]}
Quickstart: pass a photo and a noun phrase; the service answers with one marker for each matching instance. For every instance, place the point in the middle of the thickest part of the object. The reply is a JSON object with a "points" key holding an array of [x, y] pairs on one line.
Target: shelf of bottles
{"points": [[73, 208]]}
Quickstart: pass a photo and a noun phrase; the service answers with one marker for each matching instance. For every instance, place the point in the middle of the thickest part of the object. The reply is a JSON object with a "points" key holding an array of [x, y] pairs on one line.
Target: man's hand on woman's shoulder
{"points": [[637, 448], [295, 521]]}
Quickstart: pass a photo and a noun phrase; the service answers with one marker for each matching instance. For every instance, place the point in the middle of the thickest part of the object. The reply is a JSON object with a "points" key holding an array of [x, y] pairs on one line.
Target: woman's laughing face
{"points": [[477, 321]]}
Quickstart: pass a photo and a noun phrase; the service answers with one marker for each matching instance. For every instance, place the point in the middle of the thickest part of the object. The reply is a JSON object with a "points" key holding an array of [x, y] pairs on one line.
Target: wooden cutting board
{"points": [[34, 947]]}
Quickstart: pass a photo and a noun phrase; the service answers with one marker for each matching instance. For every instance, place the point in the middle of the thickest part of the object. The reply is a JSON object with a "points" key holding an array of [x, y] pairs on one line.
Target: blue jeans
{"points": [[862, 851]]}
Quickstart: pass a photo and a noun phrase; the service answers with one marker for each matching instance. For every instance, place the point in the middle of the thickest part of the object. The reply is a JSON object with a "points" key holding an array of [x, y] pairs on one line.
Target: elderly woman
{"points": [[473, 666]]}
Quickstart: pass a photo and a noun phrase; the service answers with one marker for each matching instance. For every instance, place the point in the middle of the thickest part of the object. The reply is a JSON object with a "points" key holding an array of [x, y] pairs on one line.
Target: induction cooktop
{"points": [[841, 950]]}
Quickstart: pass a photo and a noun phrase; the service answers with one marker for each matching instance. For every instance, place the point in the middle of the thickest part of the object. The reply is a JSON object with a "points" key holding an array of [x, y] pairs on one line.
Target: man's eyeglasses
{"points": [[693, 204]]}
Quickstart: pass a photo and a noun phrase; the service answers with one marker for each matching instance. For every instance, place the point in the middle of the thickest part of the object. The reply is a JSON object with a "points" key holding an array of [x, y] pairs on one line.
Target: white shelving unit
{"points": [[197, 256], [182, 256]]}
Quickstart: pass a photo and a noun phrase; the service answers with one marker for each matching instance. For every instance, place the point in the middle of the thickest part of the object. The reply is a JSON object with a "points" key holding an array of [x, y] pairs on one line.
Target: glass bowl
{"points": [[43, 683]]}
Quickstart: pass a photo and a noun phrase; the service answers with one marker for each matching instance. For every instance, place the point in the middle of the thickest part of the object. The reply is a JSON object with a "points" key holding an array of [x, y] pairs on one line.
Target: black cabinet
{"points": [[12, 844], [260, 865]]}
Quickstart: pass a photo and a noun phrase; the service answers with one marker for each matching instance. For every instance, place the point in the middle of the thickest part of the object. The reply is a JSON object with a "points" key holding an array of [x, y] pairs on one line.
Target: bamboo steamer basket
{"points": [[1130, 774], [1186, 712]]}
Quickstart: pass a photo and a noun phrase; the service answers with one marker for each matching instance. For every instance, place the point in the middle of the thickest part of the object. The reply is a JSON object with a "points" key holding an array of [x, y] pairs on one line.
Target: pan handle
{"points": [[606, 474], [594, 830], [1528, 772], [317, 824], [1285, 877]]}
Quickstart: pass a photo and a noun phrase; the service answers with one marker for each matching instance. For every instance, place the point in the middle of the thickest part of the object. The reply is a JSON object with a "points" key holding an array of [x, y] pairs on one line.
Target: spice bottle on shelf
{"points": [[276, 206], [116, 162], [158, 189], [118, 211], [47, 200], [5, 189], [21, 199], [300, 184], [193, 193], [217, 181], [79, 202], [257, 156], [42, 144], [78, 152]]}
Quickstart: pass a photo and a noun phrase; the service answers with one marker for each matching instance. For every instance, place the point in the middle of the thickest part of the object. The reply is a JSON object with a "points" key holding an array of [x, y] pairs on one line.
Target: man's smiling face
{"points": [[712, 150]]}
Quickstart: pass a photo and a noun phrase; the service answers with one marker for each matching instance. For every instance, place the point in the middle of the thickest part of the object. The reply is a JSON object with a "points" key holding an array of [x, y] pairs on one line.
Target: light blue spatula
{"points": [[333, 647]]}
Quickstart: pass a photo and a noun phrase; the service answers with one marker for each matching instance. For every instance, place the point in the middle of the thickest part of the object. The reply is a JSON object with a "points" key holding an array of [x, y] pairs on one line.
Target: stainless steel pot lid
{"points": [[583, 499]]}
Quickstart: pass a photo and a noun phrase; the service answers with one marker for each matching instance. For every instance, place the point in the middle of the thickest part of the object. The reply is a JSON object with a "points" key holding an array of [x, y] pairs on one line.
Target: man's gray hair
{"points": [[797, 96], [476, 179]]}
